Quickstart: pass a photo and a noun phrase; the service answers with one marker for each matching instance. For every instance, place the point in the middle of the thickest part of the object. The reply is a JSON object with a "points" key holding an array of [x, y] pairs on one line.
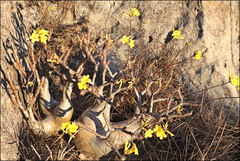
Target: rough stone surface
{"points": [[207, 25], [11, 117], [211, 25]]}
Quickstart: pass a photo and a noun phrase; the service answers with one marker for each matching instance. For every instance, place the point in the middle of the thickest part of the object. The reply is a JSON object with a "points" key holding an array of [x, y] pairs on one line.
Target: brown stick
{"points": [[17, 100], [33, 100]]}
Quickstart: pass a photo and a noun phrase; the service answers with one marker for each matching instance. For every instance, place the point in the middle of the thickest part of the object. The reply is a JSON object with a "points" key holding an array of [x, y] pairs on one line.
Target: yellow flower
{"points": [[148, 133], [83, 83], [198, 55], [134, 12], [69, 128], [131, 43], [125, 39], [166, 130], [179, 110], [34, 37], [177, 34], [43, 39], [42, 32], [73, 128], [64, 126], [39, 34], [133, 149], [159, 132], [234, 80]]}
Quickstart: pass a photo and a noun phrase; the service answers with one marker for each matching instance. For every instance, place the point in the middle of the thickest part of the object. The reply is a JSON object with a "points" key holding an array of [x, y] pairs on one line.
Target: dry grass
{"points": [[203, 136]]}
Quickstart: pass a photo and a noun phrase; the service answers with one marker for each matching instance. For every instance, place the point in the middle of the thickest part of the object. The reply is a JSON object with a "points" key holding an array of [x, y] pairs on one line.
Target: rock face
{"points": [[11, 118], [207, 25], [210, 26]]}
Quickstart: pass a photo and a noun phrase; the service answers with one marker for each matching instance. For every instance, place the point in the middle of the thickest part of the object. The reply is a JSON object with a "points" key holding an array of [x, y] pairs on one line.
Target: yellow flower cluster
{"points": [[158, 130], [127, 149], [134, 12], [69, 128], [234, 80], [83, 83], [148, 133], [177, 34], [198, 55], [128, 40], [39, 35]]}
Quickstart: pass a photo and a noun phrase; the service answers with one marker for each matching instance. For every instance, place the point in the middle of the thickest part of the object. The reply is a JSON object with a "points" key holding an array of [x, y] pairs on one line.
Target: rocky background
{"points": [[208, 25]]}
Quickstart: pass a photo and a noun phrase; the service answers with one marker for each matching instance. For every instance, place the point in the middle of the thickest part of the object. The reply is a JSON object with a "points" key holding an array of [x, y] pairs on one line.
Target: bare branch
{"points": [[95, 73], [17, 100], [147, 88], [116, 92], [36, 152], [50, 155], [180, 116], [67, 54], [30, 105], [169, 105]]}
